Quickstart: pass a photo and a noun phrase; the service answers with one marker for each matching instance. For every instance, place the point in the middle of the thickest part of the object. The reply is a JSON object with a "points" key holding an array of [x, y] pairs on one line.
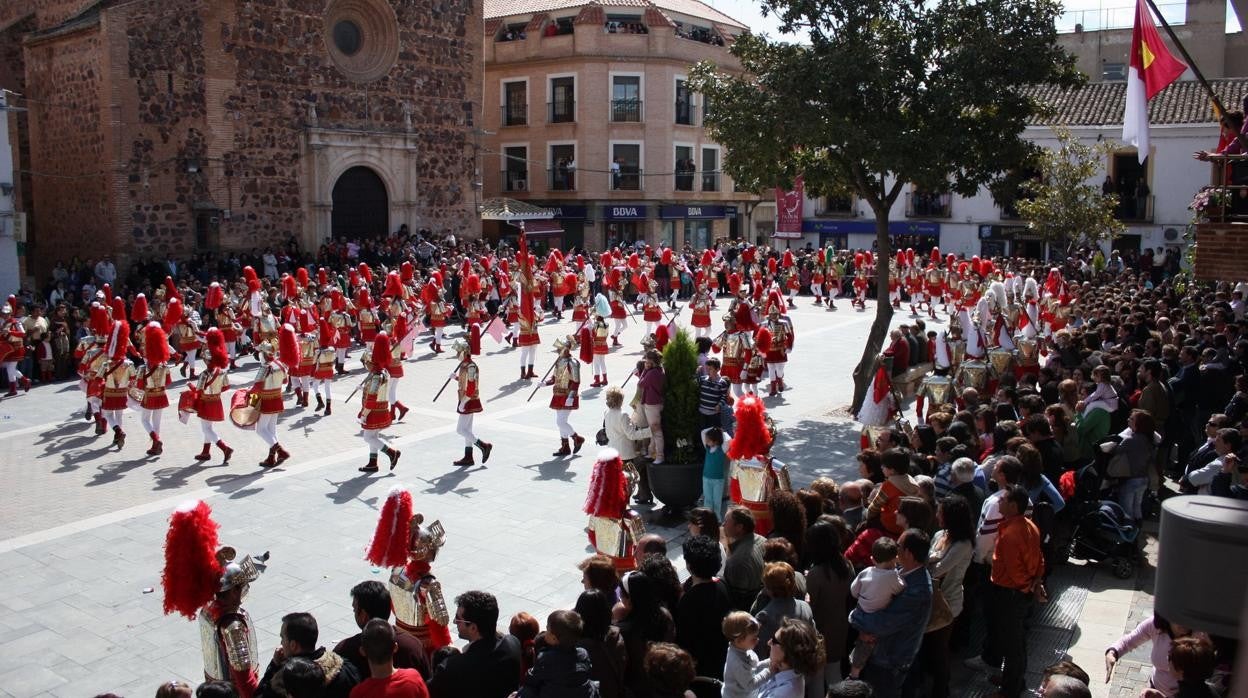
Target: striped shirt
{"points": [[711, 394]]}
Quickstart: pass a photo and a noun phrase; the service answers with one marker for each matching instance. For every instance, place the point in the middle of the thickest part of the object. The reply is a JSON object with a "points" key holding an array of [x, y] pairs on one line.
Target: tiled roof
{"points": [[689, 8], [1102, 103]]}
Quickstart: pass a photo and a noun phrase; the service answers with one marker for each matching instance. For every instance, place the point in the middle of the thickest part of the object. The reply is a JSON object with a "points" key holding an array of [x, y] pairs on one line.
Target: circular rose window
{"points": [[362, 37]]}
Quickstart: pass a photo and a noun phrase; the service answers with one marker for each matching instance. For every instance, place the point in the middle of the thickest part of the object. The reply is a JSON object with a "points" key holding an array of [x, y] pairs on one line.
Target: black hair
{"points": [[916, 542], [300, 628], [216, 689], [372, 598], [480, 609], [956, 512], [1017, 495], [303, 678], [594, 608], [377, 641], [702, 556]]}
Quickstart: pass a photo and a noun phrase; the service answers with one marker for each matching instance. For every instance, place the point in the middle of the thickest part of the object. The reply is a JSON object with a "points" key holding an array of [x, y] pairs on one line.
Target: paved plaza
{"points": [[82, 526]]}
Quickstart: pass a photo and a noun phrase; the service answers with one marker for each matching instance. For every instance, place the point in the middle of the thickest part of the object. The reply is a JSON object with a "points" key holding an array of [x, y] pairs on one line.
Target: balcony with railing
{"points": [[922, 204], [683, 180], [836, 207], [626, 110], [710, 181], [560, 179], [514, 180], [684, 112], [561, 112], [514, 115], [626, 178], [1135, 209]]}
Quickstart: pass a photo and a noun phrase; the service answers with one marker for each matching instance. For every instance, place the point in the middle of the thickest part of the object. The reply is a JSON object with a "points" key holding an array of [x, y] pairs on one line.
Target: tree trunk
{"points": [[864, 372]]}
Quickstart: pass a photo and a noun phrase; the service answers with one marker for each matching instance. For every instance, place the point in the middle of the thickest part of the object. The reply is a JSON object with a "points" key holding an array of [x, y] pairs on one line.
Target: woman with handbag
{"points": [[1129, 462], [621, 434], [952, 549]]}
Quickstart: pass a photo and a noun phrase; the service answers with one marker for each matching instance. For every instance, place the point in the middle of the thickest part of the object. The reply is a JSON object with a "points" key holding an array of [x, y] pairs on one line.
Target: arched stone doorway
{"points": [[361, 207]]}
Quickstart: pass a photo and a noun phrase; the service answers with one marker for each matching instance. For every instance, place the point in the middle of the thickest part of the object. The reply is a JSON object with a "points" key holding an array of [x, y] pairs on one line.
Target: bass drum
{"points": [[243, 413]]}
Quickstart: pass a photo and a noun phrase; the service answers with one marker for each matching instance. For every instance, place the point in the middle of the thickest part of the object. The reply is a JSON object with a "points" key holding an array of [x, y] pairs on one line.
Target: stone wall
{"points": [[13, 77]]}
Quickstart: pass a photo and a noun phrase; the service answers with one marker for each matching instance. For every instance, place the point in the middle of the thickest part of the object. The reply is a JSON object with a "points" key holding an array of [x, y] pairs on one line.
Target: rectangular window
{"points": [[626, 167], [515, 103], [921, 203], [562, 100], [563, 167], [1130, 183], [837, 206], [684, 104], [625, 24], [626, 98], [710, 169], [515, 168], [685, 168]]}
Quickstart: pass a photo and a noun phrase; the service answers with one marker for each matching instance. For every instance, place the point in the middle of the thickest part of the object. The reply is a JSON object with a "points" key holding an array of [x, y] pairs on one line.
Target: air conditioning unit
{"points": [[519, 185]]}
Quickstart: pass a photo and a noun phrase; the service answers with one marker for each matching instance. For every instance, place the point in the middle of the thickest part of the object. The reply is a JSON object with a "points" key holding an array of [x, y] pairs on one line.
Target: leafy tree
{"points": [[888, 93], [680, 397], [1066, 204]]}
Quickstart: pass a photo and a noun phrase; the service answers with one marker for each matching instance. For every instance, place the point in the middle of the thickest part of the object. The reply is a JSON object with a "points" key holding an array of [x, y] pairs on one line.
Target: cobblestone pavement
{"points": [[83, 525]]}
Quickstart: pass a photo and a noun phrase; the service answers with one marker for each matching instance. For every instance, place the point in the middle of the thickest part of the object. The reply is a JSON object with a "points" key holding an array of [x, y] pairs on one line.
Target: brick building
{"points": [[154, 126], [587, 111]]}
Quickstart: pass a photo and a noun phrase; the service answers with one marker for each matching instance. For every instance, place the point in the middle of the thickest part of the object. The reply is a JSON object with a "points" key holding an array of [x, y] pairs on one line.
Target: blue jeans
{"points": [[1131, 496], [713, 495]]}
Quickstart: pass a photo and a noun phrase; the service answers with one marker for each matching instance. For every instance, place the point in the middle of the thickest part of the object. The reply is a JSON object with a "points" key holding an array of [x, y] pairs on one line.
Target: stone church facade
{"points": [[176, 126]]}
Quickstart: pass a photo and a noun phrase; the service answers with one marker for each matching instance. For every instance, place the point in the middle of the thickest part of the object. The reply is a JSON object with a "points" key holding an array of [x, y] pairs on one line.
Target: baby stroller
{"points": [[1101, 531]]}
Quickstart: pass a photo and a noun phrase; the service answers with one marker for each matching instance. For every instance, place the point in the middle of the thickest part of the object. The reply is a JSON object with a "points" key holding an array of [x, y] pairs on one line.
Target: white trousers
{"points": [[95, 403], [190, 357], [151, 420], [464, 429], [210, 432], [437, 335], [14, 375], [701, 332], [340, 355], [619, 326], [113, 418], [231, 350], [565, 428], [393, 390], [513, 329], [600, 364], [322, 386], [738, 390], [528, 355], [267, 429], [372, 437], [559, 303], [650, 327], [775, 371]]}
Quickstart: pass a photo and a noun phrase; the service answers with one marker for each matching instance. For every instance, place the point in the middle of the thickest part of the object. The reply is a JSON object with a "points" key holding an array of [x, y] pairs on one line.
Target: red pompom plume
{"points": [[191, 571], [751, 438], [388, 548], [249, 273], [139, 311], [215, 296]]}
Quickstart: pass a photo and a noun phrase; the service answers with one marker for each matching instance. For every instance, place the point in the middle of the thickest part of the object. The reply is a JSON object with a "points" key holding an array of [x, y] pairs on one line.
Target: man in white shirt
{"points": [[1226, 442], [105, 271]]}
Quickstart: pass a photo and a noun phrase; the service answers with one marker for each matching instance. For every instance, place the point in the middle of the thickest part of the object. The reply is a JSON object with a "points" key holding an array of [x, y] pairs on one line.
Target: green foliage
{"points": [[888, 93], [680, 398], [1065, 204]]}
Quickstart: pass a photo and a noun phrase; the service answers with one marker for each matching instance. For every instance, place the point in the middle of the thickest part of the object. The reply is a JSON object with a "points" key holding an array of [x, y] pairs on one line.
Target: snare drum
{"points": [[243, 413], [973, 374], [1002, 361]]}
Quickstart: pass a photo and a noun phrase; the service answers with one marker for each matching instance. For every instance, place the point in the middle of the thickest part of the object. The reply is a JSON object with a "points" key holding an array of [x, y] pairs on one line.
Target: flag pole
{"points": [[1217, 103]]}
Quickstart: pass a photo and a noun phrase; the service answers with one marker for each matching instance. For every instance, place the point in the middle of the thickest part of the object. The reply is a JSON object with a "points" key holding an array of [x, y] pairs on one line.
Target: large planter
{"points": [[677, 485]]}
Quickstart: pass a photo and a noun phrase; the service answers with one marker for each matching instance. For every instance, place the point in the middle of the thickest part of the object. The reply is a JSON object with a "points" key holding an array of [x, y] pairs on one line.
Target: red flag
{"points": [[1152, 69]]}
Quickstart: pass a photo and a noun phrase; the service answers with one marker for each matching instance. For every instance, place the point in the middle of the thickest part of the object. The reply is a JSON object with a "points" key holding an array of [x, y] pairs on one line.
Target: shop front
{"points": [[1010, 240], [692, 225], [624, 224], [571, 218], [919, 235]]}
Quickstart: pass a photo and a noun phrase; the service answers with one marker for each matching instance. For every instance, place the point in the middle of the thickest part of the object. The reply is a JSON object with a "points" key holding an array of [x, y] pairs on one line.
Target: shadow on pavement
{"points": [[350, 490], [554, 469], [176, 478], [113, 472], [449, 483], [813, 448]]}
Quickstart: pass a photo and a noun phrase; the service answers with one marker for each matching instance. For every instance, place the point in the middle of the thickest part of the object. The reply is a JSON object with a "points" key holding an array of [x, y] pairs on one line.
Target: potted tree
{"points": [[677, 482]]}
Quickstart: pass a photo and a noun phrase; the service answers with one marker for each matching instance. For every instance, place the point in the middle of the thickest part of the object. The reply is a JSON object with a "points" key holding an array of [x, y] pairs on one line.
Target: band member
{"points": [[860, 290], [756, 363], [366, 316], [375, 404], [613, 529], [835, 272], [153, 380], [737, 346], [817, 279], [468, 377], [267, 388], [755, 474], [91, 354], [580, 302], [528, 339], [879, 407], [781, 344], [401, 544], [397, 329], [207, 396], [432, 295], [340, 321], [600, 349], [185, 329], [651, 313], [117, 375], [619, 313], [936, 388], [301, 374], [565, 397], [204, 582], [701, 305], [13, 348], [323, 370]]}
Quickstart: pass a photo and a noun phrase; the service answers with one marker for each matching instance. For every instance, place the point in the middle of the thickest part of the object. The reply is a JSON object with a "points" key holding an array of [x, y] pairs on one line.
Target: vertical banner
{"points": [[789, 211]]}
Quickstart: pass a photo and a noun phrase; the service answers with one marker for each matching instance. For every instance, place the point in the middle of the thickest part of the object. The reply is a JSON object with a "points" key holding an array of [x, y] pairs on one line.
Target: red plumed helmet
{"points": [[586, 342], [325, 333], [708, 258], [429, 292], [381, 352], [487, 263], [288, 346], [155, 344], [901, 258], [963, 266], [119, 340], [820, 257], [173, 313], [399, 328], [744, 318], [99, 320], [870, 256], [106, 288], [118, 307], [910, 256], [608, 493], [552, 264], [353, 278], [363, 299], [171, 289], [472, 285], [641, 282], [859, 258], [935, 257], [569, 281], [366, 272], [192, 571], [634, 261], [388, 548], [322, 277], [249, 273], [301, 276], [788, 259], [751, 438], [774, 300], [215, 296], [290, 290], [217, 356], [504, 266], [986, 266], [407, 272], [748, 254], [762, 339], [771, 265], [661, 337], [253, 286], [613, 278], [950, 260], [605, 260], [139, 311], [666, 257], [734, 283], [394, 287]]}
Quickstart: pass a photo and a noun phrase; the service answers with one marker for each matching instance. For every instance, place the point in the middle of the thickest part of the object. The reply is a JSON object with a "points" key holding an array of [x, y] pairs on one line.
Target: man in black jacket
{"points": [[489, 667], [298, 639]]}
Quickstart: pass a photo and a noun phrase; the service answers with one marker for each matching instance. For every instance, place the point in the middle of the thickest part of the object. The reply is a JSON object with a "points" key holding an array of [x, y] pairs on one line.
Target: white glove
{"points": [[1108, 447], [462, 403], [569, 402]]}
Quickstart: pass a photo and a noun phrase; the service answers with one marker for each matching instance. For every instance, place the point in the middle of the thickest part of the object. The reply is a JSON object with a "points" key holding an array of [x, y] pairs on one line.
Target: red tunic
{"points": [[324, 367], [701, 314], [155, 397], [618, 312], [375, 405], [651, 313], [469, 391]]}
